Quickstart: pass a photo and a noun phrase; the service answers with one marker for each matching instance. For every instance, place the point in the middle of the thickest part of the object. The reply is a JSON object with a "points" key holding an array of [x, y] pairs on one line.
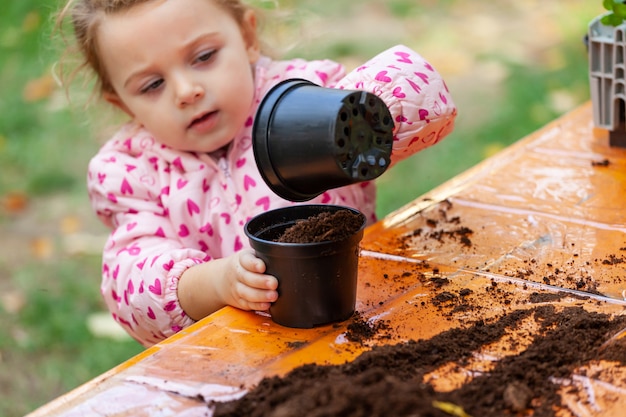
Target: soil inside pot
{"points": [[326, 226]]}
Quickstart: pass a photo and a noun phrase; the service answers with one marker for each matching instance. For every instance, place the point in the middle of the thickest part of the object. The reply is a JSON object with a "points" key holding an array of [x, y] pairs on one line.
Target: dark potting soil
{"points": [[393, 379], [326, 226], [389, 380]]}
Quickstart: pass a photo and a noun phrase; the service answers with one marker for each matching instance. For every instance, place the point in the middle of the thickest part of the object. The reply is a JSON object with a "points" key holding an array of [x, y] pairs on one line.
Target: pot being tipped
{"points": [[308, 139], [317, 281]]}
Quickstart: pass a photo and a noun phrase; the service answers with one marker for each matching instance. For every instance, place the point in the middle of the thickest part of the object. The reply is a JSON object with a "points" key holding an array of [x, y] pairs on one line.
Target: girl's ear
{"points": [[116, 101], [250, 37]]}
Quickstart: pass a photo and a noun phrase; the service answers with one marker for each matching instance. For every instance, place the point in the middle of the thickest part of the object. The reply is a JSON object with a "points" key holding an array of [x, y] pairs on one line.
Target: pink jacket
{"points": [[169, 210]]}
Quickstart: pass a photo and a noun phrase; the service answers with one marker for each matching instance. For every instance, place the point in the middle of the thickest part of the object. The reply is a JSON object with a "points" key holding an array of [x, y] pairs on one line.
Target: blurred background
{"points": [[511, 66]]}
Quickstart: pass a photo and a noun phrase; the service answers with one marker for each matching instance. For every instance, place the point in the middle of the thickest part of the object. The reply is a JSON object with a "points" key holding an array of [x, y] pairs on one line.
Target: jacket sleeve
{"points": [[416, 95], [325, 73], [142, 259]]}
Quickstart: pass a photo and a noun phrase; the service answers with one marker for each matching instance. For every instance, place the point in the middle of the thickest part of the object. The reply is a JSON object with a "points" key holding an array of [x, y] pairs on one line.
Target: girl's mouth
{"points": [[205, 122]]}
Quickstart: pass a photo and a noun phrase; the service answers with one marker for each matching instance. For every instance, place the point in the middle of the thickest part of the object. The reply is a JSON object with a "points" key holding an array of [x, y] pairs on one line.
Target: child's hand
{"points": [[238, 280], [244, 284]]}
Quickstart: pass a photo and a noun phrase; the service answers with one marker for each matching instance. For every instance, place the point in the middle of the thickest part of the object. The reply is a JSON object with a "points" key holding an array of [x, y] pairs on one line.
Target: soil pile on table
{"points": [[323, 227], [361, 330], [390, 380]]}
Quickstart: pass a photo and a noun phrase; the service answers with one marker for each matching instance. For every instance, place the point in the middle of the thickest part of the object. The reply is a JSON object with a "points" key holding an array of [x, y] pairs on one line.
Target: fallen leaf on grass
{"points": [[14, 202], [102, 325], [39, 88], [31, 22], [70, 225], [13, 301], [492, 149], [83, 244], [42, 247]]}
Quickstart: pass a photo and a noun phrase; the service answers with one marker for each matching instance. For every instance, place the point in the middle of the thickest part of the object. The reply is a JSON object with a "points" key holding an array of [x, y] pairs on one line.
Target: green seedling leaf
{"points": [[617, 15], [612, 20], [619, 10]]}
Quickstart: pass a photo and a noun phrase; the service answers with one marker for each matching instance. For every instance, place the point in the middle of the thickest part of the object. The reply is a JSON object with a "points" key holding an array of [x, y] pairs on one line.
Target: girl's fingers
{"points": [[259, 281], [250, 262], [255, 290], [259, 306], [255, 295]]}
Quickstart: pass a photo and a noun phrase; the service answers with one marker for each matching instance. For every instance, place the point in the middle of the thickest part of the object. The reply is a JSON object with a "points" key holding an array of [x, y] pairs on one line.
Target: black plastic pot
{"points": [[308, 139], [316, 281]]}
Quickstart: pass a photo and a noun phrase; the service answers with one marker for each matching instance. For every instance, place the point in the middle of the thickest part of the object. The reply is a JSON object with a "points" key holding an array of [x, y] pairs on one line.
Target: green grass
{"points": [[49, 349], [46, 348], [35, 136]]}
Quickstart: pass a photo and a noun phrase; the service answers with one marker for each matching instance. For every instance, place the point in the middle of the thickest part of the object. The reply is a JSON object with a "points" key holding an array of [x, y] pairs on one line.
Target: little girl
{"points": [[177, 183]]}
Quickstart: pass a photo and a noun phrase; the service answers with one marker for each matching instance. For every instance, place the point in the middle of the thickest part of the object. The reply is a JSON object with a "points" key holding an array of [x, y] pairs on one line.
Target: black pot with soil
{"points": [[313, 251]]}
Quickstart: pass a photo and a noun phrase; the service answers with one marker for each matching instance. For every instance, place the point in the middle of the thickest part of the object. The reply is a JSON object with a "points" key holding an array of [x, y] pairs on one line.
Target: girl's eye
{"points": [[206, 56], [152, 86]]}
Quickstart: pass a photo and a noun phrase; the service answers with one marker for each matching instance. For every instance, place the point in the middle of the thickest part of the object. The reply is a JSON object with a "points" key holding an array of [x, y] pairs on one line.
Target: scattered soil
{"points": [[602, 163], [361, 330], [390, 380], [323, 227], [396, 379], [441, 228]]}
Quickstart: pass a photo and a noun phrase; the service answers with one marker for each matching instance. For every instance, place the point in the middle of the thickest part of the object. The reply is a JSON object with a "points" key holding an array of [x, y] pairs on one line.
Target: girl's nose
{"points": [[187, 92]]}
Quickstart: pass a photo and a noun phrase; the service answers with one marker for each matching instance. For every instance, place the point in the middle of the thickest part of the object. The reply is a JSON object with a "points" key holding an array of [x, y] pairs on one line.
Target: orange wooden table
{"points": [[546, 215]]}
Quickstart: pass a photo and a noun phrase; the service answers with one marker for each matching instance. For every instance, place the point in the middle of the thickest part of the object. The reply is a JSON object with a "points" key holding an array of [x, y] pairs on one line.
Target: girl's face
{"points": [[182, 69]]}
